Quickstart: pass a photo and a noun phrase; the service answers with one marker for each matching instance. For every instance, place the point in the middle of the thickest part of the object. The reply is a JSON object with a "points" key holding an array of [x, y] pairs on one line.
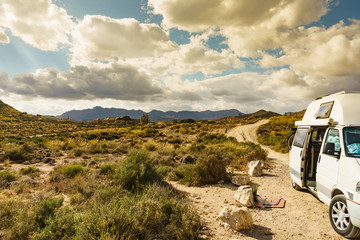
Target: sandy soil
{"points": [[304, 216]]}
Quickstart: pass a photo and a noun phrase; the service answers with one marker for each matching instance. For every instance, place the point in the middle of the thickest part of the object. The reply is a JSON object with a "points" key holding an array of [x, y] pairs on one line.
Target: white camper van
{"points": [[325, 158]]}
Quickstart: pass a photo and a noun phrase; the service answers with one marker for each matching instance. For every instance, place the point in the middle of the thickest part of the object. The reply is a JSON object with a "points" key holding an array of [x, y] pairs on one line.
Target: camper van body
{"points": [[325, 158]]}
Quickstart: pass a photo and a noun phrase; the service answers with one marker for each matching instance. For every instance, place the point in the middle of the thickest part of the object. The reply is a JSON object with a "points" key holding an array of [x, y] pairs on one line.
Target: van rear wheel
{"points": [[340, 218]]}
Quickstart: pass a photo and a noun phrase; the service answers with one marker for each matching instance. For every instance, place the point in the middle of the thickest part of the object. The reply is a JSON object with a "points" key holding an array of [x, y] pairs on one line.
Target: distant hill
{"points": [[260, 114], [154, 115], [8, 113]]}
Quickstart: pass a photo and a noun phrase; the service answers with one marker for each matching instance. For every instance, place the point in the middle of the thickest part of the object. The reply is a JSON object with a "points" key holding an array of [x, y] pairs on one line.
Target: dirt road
{"points": [[304, 217]]}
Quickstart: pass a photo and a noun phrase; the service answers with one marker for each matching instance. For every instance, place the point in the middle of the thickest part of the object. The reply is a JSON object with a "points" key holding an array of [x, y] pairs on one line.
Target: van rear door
{"points": [[297, 155]]}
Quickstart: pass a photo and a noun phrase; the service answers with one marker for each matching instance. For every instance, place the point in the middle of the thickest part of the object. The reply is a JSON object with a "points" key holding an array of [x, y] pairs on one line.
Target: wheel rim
{"points": [[340, 216]]}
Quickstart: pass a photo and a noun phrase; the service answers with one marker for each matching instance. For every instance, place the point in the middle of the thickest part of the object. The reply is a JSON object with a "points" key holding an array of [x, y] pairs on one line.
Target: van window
{"points": [[333, 137], [352, 141], [300, 136], [325, 110]]}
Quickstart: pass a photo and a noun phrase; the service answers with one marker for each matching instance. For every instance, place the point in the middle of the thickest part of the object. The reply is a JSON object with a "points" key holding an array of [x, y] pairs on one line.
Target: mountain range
{"points": [[155, 115]]}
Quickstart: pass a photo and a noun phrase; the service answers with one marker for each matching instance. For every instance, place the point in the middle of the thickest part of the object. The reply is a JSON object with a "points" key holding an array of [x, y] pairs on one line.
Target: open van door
{"points": [[297, 156], [328, 165]]}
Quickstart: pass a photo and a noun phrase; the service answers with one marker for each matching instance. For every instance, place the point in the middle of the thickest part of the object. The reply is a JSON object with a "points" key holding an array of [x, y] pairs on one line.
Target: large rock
{"points": [[244, 196], [235, 218], [240, 180], [255, 168]]}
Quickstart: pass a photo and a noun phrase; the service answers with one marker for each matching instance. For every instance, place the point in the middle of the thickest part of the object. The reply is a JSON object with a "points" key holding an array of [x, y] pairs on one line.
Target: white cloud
{"points": [[198, 15], [327, 52], [104, 38], [115, 81], [3, 37], [190, 58], [40, 23], [288, 78], [249, 26]]}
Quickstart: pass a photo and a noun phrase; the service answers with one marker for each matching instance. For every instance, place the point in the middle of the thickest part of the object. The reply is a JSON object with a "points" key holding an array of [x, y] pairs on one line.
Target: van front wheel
{"points": [[340, 218]]}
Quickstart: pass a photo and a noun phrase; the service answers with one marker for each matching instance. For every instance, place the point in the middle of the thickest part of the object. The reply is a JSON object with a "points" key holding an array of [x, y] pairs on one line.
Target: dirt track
{"points": [[304, 217]]}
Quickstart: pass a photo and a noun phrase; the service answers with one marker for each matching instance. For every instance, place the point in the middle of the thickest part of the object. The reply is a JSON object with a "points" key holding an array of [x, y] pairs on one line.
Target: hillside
{"points": [[275, 132], [154, 115], [260, 114], [8, 113]]}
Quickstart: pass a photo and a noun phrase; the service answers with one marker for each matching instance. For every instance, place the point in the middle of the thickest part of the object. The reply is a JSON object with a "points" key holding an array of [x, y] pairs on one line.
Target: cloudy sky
{"points": [[58, 55]]}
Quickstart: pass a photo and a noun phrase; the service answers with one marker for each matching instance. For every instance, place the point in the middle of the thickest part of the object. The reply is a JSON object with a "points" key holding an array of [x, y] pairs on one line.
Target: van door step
{"points": [[313, 188]]}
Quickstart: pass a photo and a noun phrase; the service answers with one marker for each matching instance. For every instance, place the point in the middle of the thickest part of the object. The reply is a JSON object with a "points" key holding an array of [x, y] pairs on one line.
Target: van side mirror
{"points": [[329, 148]]}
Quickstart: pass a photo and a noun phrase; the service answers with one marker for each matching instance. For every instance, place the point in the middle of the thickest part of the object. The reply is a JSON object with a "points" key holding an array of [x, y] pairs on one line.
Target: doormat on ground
{"points": [[270, 203]]}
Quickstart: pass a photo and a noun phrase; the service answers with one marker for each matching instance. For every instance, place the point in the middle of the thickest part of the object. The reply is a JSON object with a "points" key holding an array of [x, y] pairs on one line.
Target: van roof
{"points": [[342, 108]]}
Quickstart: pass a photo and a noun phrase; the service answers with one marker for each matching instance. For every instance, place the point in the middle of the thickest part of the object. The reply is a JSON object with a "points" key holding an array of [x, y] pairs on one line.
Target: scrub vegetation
{"points": [[108, 179], [275, 132]]}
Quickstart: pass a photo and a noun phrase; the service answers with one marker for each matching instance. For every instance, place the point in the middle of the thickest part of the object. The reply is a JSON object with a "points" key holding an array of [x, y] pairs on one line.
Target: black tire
{"points": [[295, 186], [340, 218], [289, 140]]}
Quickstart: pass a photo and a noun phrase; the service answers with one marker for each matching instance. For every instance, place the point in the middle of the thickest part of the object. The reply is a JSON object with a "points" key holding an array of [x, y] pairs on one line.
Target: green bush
{"points": [[156, 213], [33, 222], [186, 173], [107, 168], [46, 209], [137, 172], [9, 211], [17, 154], [210, 167], [70, 171], [7, 176], [61, 226], [28, 170]]}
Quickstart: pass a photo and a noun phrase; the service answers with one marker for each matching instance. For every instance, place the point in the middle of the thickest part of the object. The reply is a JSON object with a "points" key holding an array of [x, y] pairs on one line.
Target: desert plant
{"points": [[28, 170], [16, 153], [7, 176], [9, 211], [68, 171], [107, 168], [32, 222], [137, 172], [155, 213], [61, 226]]}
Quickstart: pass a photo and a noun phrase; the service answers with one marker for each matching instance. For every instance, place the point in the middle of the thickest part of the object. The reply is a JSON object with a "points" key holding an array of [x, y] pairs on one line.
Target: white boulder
{"points": [[235, 218], [255, 168], [240, 180], [244, 196]]}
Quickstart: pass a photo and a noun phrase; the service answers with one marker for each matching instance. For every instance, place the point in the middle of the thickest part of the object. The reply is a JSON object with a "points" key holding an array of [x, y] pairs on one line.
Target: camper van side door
{"points": [[328, 165], [297, 154]]}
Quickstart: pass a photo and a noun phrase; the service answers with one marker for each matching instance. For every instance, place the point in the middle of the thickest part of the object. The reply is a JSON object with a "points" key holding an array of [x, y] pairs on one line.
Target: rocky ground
{"points": [[304, 216]]}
